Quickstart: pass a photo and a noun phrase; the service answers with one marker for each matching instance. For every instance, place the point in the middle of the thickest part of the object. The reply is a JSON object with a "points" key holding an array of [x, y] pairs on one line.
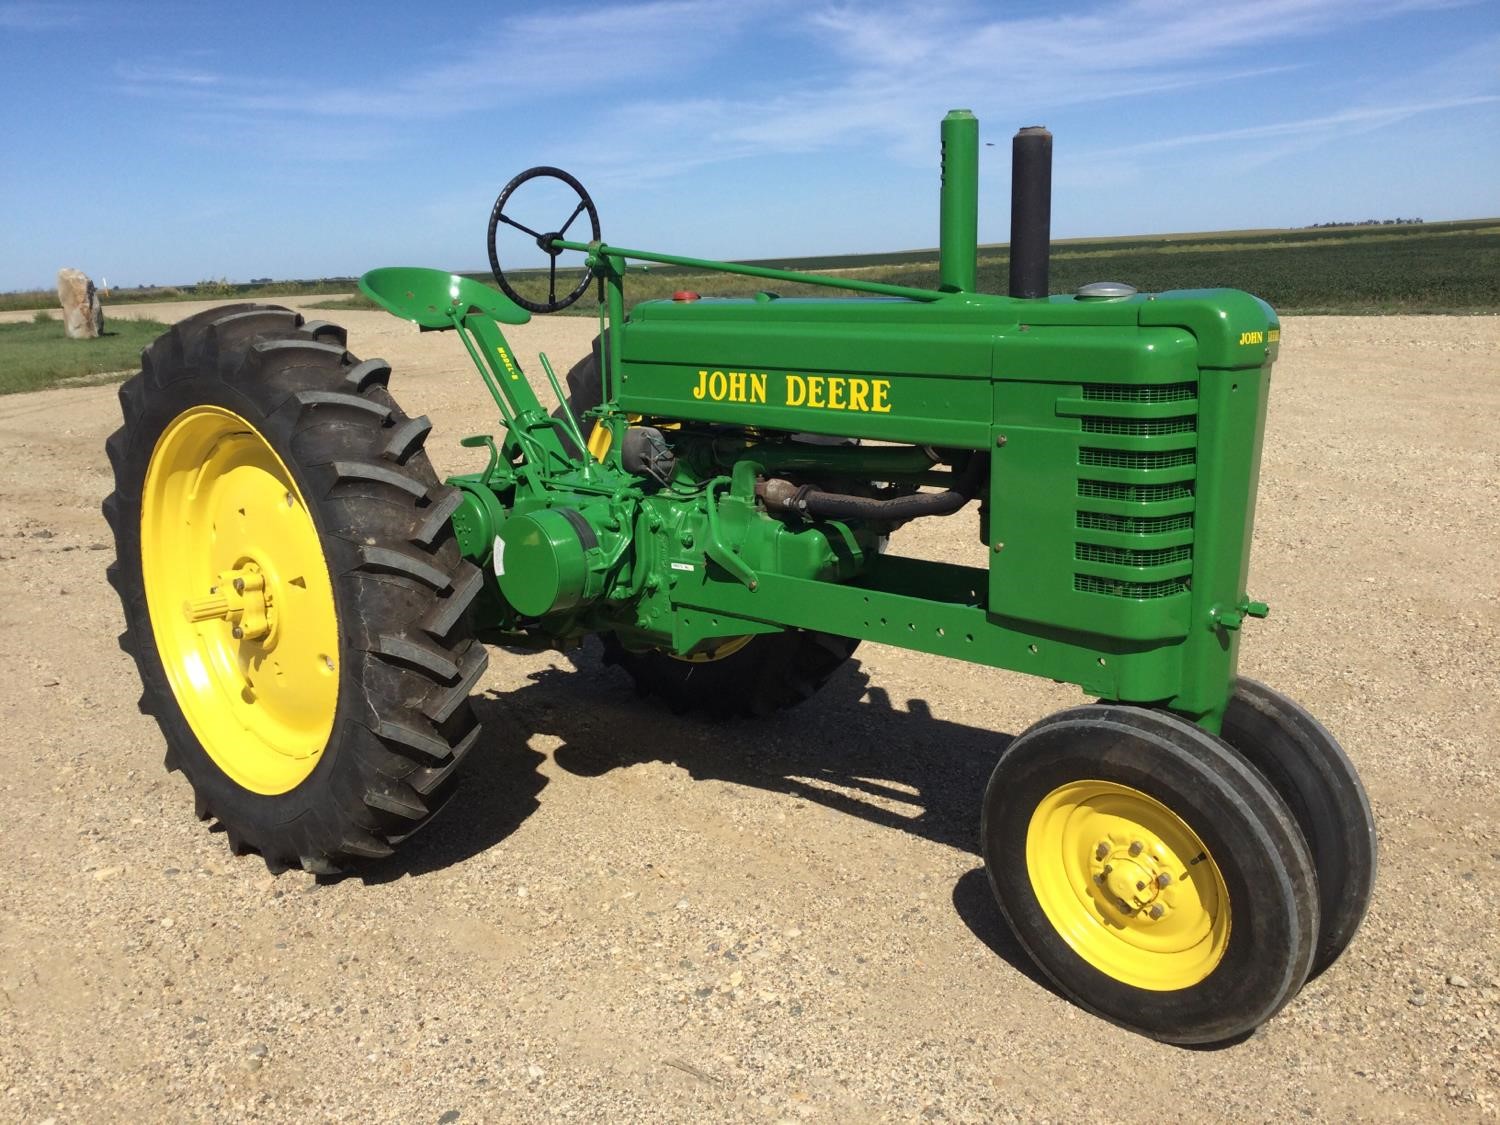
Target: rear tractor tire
{"points": [[1151, 873], [295, 601], [749, 676]]}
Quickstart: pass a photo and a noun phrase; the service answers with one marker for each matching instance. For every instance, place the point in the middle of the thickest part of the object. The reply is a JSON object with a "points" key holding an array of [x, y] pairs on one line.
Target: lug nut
{"points": [[1136, 847], [1140, 886], [239, 585], [1102, 850], [1098, 880], [1163, 880], [237, 633], [1157, 911]]}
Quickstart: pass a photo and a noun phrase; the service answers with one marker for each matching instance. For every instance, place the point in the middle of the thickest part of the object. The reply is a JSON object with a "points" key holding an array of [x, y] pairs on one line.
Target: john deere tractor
{"points": [[308, 604]]}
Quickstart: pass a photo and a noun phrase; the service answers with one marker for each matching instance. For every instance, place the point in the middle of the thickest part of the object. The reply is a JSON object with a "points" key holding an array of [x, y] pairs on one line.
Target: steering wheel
{"points": [[543, 240]]}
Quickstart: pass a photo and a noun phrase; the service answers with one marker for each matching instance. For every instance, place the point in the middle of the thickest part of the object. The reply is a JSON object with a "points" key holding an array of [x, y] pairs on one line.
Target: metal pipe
{"points": [[808, 500], [852, 284], [1030, 211], [958, 219]]}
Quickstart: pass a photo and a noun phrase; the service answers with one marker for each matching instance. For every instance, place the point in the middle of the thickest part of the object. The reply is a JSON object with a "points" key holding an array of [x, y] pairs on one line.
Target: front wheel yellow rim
{"points": [[240, 599], [1128, 885]]}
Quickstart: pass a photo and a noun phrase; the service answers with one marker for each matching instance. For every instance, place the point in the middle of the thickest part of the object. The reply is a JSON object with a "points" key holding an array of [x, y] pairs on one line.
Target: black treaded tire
{"points": [[1312, 774], [401, 590], [1246, 828], [773, 671]]}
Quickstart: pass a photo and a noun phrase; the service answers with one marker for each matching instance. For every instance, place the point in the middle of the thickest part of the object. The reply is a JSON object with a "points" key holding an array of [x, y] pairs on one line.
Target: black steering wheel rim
{"points": [[543, 241]]}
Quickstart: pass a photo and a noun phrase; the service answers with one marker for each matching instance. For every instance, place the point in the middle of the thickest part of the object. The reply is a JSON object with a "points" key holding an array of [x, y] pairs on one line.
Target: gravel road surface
{"points": [[632, 916]]}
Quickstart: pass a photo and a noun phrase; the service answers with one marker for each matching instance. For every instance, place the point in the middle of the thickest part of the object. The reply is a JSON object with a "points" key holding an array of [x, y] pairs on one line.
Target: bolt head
{"points": [[1102, 850], [237, 633], [1098, 880], [1136, 847], [1157, 911], [1164, 880], [239, 585]]}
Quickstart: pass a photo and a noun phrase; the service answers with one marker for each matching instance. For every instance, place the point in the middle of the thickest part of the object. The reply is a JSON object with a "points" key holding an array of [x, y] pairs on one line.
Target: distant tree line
{"points": [[1363, 223]]}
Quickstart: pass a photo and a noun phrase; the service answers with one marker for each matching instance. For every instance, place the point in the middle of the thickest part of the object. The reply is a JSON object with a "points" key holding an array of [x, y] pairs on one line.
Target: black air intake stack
{"points": [[1030, 211]]}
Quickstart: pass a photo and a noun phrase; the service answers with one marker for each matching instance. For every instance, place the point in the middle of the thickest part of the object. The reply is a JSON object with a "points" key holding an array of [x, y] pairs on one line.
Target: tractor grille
{"points": [[1137, 459], [1135, 493], [1140, 427], [1140, 392], [1130, 556], [1134, 525], [1119, 588], [1137, 467]]}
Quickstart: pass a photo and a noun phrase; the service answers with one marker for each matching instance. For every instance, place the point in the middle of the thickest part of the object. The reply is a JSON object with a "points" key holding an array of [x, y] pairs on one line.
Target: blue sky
{"points": [[166, 143]]}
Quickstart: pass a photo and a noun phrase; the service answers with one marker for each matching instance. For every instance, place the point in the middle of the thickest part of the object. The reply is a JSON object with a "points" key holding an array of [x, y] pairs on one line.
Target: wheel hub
{"points": [[239, 597], [1132, 876]]}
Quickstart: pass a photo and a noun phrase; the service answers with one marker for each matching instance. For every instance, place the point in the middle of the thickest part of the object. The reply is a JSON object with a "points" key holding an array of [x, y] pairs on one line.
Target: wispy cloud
{"points": [[1345, 123], [892, 67], [878, 74], [522, 55], [146, 77], [24, 16]]}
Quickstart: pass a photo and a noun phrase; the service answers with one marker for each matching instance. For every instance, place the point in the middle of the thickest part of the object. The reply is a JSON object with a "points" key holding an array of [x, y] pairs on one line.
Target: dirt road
{"points": [[632, 916]]}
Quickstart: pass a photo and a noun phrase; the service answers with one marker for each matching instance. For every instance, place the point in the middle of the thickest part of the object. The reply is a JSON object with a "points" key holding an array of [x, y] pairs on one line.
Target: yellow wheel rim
{"points": [[1128, 885], [711, 650], [240, 599]]}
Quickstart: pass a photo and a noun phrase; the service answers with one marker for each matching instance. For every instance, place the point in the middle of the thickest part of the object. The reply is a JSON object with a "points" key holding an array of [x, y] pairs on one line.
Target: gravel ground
{"points": [[628, 915]]}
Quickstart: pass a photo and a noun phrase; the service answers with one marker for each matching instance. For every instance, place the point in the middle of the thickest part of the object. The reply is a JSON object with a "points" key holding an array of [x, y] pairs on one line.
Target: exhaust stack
{"points": [[1030, 211]]}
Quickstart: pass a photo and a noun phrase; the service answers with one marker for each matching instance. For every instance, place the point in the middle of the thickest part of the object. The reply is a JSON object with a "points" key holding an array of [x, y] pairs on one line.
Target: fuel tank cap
{"points": [[1105, 290]]}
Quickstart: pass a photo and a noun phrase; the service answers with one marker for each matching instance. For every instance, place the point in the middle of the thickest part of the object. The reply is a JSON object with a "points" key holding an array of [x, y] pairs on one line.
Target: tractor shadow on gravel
{"points": [[848, 749]]}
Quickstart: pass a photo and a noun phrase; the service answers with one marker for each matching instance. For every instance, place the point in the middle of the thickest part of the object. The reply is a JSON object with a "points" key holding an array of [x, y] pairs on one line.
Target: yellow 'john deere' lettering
{"points": [[822, 392], [1273, 335], [732, 386], [1252, 338], [839, 392]]}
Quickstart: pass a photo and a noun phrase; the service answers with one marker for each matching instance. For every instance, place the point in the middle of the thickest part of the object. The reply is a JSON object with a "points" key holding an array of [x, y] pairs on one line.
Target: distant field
{"points": [[39, 354], [201, 291], [1408, 268]]}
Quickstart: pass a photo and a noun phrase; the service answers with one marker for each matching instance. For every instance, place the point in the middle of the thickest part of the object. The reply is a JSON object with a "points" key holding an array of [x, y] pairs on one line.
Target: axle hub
{"points": [[1132, 876], [239, 597]]}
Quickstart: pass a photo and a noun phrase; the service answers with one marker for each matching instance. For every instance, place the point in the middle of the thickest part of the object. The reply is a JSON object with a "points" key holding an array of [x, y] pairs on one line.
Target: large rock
{"points": [[83, 316]]}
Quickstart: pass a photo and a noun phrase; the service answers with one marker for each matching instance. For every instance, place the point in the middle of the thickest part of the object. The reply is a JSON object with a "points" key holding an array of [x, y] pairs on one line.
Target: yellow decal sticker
{"points": [[1273, 336], [509, 364], [732, 386], [821, 392], [1247, 338]]}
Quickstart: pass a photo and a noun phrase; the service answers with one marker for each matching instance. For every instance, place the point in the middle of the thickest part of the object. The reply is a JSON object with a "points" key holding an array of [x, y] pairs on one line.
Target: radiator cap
{"points": [[1105, 291]]}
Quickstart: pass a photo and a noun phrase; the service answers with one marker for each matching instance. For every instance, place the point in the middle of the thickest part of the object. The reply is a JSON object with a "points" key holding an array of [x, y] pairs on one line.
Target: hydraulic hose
{"points": [[809, 500]]}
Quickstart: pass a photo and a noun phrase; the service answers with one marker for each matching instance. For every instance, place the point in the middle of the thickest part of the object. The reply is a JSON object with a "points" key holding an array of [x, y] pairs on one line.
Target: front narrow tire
{"points": [[1150, 873]]}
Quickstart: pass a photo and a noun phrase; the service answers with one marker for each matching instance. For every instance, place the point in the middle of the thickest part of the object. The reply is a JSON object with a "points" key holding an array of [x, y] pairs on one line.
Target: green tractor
{"points": [[308, 604]]}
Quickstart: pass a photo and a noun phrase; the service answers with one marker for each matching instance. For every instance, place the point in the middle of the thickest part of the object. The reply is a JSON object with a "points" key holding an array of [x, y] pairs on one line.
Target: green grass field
{"points": [[38, 354]]}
